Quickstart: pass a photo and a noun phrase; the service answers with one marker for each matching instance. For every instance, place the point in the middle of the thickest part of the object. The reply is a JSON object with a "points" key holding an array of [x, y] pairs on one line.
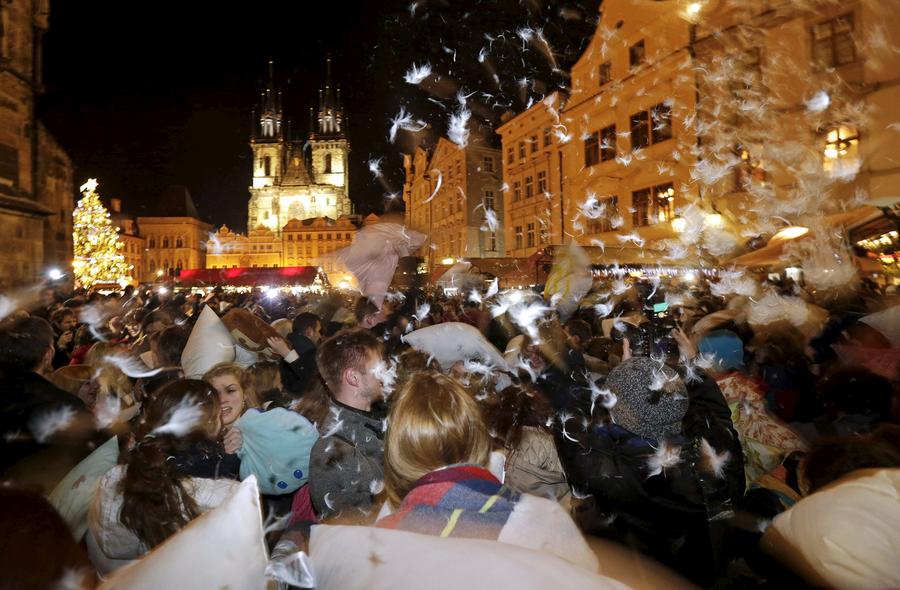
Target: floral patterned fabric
{"points": [[765, 439]]}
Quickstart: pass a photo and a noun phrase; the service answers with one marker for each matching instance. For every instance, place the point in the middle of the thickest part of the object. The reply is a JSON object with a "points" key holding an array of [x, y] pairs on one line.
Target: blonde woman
{"points": [[236, 395], [437, 483]]}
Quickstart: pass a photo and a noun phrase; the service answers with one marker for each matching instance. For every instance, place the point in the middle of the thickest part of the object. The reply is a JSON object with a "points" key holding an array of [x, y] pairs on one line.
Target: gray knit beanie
{"points": [[652, 399]]}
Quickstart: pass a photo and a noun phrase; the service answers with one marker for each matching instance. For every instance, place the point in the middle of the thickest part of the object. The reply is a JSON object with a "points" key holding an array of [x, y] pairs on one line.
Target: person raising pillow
{"points": [[236, 396]]}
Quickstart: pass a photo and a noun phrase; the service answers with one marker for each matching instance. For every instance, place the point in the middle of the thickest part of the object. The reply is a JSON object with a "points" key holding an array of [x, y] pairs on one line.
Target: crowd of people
{"points": [[691, 427]]}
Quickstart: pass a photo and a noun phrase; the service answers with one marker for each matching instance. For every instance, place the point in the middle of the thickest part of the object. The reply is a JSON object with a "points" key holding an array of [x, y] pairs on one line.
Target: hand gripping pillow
{"points": [[276, 448], [73, 495], [351, 557], [223, 548], [846, 535], [248, 330], [208, 345]]}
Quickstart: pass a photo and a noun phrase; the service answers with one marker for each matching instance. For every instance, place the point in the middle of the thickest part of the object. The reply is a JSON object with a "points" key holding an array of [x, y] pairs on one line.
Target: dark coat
{"points": [[24, 398], [297, 376], [678, 515]]}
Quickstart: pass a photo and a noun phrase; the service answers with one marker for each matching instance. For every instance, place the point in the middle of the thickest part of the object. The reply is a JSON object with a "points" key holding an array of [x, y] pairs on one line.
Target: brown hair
{"points": [[507, 412], [348, 349], [155, 502], [263, 377], [242, 376], [109, 377], [433, 423]]}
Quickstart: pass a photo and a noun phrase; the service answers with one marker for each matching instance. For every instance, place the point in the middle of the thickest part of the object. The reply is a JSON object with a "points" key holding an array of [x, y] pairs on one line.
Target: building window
{"points": [[290, 238], [459, 169], [521, 149], [165, 243], [518, 237], [489, 200], [529, 235], [510, 155], [637, 54], [327, 163], [321, 237], [640, 130], [152, 266], [608, 143], [605, 73], [661, 119], [841, 153], [179, 243], [592, 149], [832, 42], [529, 186], [542, 182], [534, 143], [544, 234], [653, 205], [492, 241], [517, 190], [152, 243], [267, 166], [488, 163], [610, 219]]}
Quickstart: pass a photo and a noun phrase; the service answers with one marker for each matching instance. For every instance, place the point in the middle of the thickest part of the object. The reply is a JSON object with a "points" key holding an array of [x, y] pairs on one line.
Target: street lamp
{"points": [[54, 274]]}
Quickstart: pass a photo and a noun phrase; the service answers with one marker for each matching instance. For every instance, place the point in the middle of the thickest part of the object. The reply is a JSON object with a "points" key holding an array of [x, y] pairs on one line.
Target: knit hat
{"points": [[727, 348], [652, 400]]}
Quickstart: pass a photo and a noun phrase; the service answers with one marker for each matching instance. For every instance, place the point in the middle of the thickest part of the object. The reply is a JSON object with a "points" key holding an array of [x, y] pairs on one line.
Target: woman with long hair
{"points": [[436, 479], [236, 395], [175, 471]]}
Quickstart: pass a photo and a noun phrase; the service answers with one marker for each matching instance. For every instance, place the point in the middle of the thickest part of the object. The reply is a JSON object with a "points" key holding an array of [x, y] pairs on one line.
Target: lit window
{"points": [[529, 186], [610, 219], [529, 235], [518, 237], [841, 152], [489, 200], [653, 205], [832, 42]]}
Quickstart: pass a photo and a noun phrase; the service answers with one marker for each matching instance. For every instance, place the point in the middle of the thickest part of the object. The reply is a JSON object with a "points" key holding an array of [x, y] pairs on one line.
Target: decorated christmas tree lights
{"points": [[96, 244]]}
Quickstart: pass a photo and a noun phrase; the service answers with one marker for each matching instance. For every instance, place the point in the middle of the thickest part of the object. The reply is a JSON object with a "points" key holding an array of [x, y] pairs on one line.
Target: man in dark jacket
{"points": [[298, 367], [34, 413], [346, 465]]}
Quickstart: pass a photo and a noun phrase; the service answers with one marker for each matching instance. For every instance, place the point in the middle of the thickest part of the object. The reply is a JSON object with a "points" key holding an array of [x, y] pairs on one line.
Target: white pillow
{"points": [[455, 341], [209, 344], [72, 496], [351, 557], [224, 548], [849, 534]]}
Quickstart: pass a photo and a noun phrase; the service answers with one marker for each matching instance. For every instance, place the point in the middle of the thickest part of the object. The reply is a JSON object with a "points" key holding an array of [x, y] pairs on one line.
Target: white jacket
{"points": [[110, 543]]}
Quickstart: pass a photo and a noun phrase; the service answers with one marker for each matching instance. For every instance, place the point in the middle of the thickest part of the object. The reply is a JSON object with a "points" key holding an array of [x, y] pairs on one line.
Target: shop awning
{"points": [[288, 276]]}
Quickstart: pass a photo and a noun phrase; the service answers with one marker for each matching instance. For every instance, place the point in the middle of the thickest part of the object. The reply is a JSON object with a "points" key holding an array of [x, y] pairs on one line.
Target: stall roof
{"points": [[248, 277]]}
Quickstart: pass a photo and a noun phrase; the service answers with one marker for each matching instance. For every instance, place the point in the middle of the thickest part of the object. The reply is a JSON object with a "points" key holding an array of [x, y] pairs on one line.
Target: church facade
{"points": [[298, 179], [299, 213]]}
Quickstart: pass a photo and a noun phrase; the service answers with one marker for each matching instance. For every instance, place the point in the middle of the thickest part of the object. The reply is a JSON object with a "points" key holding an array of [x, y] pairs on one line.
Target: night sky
{"points": [[142, 99]]}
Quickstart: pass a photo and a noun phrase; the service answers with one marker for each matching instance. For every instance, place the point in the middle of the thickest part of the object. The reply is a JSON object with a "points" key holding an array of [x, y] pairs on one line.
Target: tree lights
{"points": [[95, 242]]}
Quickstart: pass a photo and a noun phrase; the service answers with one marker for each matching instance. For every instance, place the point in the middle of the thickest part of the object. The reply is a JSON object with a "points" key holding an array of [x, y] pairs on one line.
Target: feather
{"points": [[665, 456], [46, 424], [183, 418], [711, 461], [417, 74]]}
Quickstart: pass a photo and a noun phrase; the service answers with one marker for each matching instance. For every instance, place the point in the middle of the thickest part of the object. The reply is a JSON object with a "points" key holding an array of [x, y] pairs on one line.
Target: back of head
{"points": [[579, 329], [36, 546], [433, 423], [652, 399], [24, 343], [852, 390], [833, 458], [179, 416], [170, 344], [303, 322], [348, 349]]}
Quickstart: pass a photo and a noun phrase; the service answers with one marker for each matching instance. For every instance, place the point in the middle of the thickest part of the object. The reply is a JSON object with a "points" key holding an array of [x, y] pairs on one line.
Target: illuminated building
{"points": [[174, 235]]}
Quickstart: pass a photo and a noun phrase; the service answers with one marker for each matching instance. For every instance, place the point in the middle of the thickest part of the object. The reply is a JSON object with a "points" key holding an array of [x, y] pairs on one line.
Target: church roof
{"points": [[296, 172], [175, 201]]}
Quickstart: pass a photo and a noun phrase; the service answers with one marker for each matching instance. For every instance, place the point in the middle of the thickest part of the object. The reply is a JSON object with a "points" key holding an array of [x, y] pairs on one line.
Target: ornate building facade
{"points": [[298, 178], [36, 177]]}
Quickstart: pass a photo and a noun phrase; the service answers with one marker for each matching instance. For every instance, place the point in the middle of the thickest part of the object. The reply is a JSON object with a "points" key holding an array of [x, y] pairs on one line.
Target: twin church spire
{"points": [[328, 121]]}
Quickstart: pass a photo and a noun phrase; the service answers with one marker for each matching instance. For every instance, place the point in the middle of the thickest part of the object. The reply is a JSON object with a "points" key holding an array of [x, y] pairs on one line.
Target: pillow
{"points": [[224, 548], [249, 330], [350, 557], [283, 326], [208, 345], [72, 496], [245, 358], [71, 377], [455, 341], [276, 448], [845, 535]]}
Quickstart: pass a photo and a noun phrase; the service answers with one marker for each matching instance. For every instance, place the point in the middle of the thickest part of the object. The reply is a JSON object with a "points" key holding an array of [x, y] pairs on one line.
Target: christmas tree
{"points": [[96, 242]]}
